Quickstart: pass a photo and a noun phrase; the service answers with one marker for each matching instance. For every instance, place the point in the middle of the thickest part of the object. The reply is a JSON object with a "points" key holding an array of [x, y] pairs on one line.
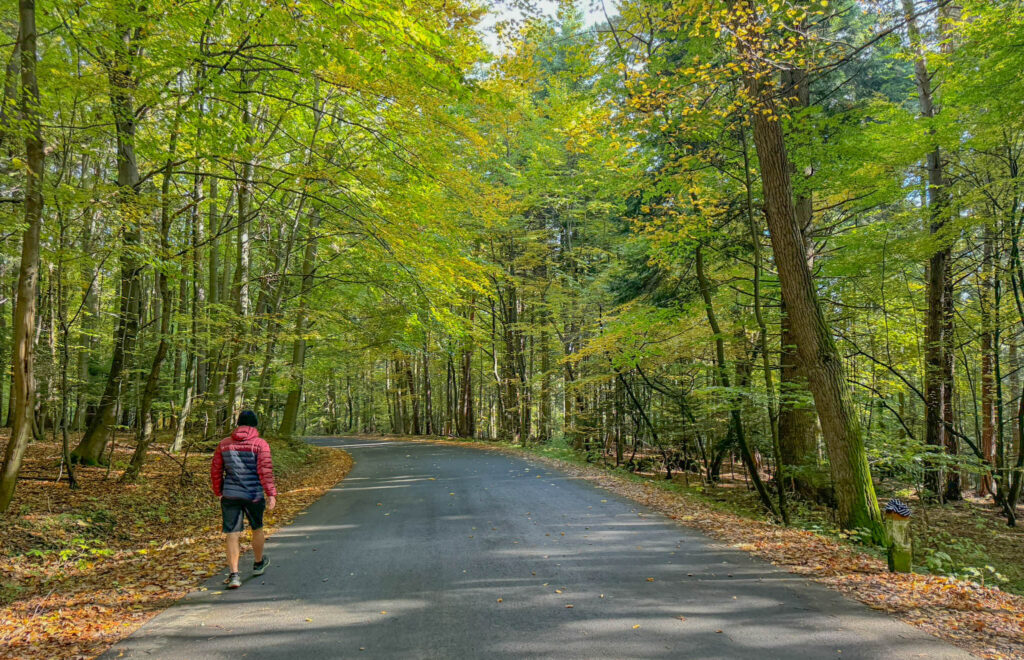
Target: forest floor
{"points": [[81, 569], [982, 619]]}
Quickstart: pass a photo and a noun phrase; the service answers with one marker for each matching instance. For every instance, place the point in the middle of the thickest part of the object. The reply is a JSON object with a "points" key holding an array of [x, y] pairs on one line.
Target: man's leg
{"points": [[254, 512], [257, 545], [232, 545]]}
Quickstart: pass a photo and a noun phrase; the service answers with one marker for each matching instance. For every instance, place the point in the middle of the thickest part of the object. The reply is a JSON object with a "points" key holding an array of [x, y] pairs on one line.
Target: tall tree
{"points": [[120, 61], [28, 273], [826, 373], [943, 483]]}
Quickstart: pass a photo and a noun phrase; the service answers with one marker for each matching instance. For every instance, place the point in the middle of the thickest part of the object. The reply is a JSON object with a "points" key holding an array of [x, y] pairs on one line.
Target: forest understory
{"points": [[985, 619], [84, 568]]}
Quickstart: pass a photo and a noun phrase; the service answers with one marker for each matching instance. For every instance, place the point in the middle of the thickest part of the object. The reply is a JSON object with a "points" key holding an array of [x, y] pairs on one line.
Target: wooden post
{"points": [[901, 546]]}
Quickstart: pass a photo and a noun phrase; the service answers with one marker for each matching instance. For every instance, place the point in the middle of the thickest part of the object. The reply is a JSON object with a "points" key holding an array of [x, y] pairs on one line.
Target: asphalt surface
{"points": [[430, 551]]}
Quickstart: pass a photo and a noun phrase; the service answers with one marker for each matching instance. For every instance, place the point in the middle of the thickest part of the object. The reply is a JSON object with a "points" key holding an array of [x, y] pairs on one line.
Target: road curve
{"points": [[431, 551]]}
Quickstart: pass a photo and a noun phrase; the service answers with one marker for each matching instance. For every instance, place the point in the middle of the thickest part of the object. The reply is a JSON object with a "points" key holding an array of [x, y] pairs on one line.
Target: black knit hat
{"points": [[247, 418]]}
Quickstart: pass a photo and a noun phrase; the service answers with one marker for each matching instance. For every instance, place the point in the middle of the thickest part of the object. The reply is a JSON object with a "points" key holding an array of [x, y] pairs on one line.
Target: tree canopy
{"points": [[782, 231]]}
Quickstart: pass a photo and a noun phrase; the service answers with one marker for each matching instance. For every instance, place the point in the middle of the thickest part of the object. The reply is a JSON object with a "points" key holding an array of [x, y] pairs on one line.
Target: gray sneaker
{"points": [[259, 567], [234, 581]]}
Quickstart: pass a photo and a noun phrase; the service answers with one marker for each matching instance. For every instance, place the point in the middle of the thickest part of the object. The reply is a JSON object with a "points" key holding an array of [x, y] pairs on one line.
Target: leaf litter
{"points": [[80, 570]]}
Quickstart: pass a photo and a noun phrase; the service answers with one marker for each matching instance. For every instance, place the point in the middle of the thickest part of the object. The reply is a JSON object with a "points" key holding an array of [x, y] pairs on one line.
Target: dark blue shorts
{"points": [[232, 511]]}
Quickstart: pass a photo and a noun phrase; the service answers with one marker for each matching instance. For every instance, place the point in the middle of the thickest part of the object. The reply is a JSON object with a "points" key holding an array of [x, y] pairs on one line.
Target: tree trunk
{"points": [[240, 288], [465, 418], [65, 358], [428, 406], [851, 475], [797, 418], [121, 79], [90, 316], [988, 388], [11, 73], [544, 421], [213, 282], [5, 359], [149, 391], [756, 232], [414, 402], [195, 364], [291, 406], [736, 429], [28, 273], [938, 358]]}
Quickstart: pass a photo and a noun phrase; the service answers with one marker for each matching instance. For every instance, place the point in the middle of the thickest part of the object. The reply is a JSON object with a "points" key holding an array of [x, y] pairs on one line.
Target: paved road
{"points": [[429, 551]]}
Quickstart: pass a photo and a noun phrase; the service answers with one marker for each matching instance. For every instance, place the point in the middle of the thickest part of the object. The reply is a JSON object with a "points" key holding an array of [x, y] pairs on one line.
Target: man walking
{"points": [[241, 473]]}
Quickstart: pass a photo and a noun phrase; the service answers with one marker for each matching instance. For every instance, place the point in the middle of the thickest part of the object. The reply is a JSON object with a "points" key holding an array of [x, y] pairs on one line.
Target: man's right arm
{"points": [[217, 472], [265, 470]]}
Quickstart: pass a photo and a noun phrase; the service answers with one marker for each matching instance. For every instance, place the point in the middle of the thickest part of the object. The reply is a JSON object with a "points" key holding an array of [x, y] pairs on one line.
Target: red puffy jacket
{"points": [[242, 468]]}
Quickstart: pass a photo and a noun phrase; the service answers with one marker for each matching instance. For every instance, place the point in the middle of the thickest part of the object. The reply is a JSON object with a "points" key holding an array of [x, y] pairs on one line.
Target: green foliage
{"points": [[960, 558]]}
